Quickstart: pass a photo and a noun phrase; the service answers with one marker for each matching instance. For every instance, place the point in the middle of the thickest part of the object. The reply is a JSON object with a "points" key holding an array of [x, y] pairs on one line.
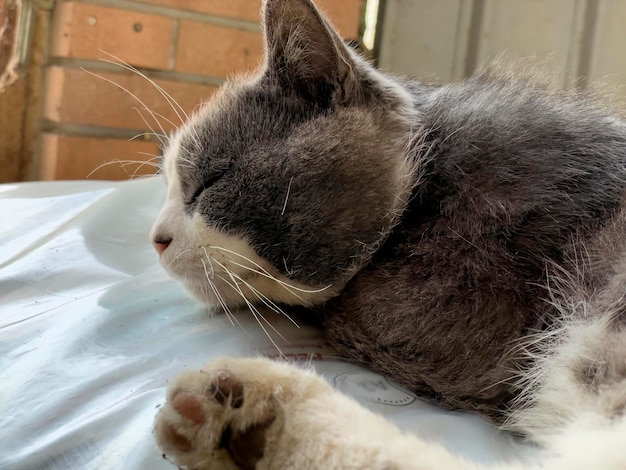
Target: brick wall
{"points": [[188, 47]]}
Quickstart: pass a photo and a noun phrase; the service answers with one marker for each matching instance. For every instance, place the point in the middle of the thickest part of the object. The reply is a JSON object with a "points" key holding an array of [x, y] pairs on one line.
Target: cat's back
{"points": [[511, 152], [514, 176]]}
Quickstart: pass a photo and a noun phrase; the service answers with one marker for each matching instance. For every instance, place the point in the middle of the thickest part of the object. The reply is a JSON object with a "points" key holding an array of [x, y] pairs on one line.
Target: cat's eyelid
{"points": [[206, 185], [196, 195]]}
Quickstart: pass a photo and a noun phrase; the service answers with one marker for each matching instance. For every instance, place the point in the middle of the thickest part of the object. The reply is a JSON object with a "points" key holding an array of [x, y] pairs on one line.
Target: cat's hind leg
{"points": [[574, 401]]}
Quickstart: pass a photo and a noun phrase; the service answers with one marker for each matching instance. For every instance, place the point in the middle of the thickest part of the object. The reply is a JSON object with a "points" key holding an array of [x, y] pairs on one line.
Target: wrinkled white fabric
{"points": [[92, 329]]}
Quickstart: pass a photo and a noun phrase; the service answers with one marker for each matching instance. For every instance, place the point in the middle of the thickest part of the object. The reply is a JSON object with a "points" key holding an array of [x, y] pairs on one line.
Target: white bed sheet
{"points": [[91, 329]]}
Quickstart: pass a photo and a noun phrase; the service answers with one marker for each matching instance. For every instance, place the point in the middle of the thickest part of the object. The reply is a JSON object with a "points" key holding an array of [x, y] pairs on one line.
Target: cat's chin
{"points": [[207, 299], [212, 297]]}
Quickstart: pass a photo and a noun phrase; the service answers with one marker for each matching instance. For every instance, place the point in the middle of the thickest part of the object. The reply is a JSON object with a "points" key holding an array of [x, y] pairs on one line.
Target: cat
{"points": [[466, 240]]}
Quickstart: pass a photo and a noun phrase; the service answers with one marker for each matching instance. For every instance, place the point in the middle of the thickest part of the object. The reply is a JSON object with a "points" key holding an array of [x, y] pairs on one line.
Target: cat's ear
{"points": [[305, 54]]}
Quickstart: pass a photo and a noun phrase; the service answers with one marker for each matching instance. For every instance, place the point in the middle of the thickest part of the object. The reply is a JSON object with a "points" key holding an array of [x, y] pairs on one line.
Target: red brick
{"points": [[217, 51], [67, 158], [75, 96], [344, 14], [247, 10], [82, 30]]}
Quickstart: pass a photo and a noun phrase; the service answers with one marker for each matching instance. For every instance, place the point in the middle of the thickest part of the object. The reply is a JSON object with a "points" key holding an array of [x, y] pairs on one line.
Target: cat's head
{"points": [[283, 185]]}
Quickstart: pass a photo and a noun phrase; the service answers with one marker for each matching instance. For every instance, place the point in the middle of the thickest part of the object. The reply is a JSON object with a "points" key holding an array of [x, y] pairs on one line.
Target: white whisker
{"points": [[210, 263], [265, 273], [251, 306], [154, 157], [164, 118], [264, 319], [262, 297], [160, 137], [254, 312], [287, 196], [144, 134], [180, 253], [218, 296], [123, 164], [232, 275], [130, 93], [140, 164], [270, 304], [170, 100]]}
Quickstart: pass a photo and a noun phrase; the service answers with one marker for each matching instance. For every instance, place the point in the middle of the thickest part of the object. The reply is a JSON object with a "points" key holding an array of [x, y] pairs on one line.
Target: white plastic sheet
{"points": [[91, 329]]}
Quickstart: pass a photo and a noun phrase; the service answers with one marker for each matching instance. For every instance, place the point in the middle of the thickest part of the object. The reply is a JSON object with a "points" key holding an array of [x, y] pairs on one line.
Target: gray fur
{"points": [[444, 266]]}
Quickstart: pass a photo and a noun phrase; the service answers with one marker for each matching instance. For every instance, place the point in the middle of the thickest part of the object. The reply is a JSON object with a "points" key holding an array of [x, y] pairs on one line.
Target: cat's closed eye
{"points": [[204, 186]]}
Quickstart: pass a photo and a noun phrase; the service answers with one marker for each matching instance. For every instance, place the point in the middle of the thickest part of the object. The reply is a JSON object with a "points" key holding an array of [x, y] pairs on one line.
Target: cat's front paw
{"points": [[222, 417]]}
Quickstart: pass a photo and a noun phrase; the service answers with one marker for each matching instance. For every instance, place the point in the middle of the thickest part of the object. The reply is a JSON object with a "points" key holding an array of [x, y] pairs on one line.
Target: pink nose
{"points": [[161, 244]]}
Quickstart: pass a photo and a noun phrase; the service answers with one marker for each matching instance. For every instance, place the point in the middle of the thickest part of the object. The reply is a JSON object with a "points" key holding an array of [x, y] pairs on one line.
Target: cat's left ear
{"points": [[306, 55]]}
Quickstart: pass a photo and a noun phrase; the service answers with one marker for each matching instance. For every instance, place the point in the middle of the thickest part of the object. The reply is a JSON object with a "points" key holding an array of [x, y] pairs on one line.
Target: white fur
{"points": [[200, 255], [317, 427]]}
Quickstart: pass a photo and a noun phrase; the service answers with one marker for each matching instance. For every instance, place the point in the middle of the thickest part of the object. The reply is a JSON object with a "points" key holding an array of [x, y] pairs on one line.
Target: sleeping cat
{"points": [[466, 240]]}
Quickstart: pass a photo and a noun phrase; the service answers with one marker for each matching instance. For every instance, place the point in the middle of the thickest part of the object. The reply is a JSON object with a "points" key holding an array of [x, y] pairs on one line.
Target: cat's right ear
{"points": [[305, 55]]}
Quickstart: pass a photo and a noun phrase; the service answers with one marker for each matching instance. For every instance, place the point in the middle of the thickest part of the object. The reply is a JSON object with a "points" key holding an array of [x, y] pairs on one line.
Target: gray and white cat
{"points": [[466, 240]]}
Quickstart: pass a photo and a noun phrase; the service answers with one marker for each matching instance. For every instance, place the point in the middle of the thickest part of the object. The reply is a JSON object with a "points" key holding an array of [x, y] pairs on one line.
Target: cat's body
{"points": [[515, 181], [466, 240]]}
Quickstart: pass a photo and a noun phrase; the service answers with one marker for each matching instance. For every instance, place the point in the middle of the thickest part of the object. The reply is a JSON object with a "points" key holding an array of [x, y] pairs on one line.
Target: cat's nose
{"points": [[161, 243]]}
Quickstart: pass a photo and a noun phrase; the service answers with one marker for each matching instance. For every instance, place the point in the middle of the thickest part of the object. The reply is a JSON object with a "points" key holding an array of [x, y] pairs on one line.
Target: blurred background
{"points": [[71, 109]]}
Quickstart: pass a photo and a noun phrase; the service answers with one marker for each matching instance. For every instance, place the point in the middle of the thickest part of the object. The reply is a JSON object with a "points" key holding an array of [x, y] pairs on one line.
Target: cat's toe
{"points": [[190, 406], [190, 425], [226, 389]]}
